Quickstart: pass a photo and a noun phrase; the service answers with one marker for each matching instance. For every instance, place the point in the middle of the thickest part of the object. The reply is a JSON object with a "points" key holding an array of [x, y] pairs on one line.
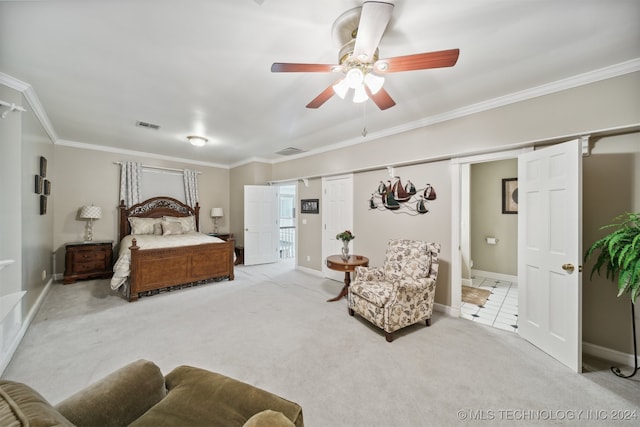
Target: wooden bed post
{"points": [[133, 271]]}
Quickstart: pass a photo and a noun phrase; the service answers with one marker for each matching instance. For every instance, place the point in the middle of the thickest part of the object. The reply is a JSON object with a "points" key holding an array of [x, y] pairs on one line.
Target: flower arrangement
{"points": [[345, 236]]}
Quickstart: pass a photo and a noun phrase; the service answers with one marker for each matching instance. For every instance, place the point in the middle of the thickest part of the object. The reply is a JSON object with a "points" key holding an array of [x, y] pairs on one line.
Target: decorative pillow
{"points": [[188, 222], [143, 225], [169, 228], [157, 229]]}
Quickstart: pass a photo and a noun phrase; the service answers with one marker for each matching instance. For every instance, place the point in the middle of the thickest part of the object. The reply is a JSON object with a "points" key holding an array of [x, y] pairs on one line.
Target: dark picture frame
{"points": [[310, 206], [38, 184], [47, 187], [510, 195], [43, 205], [43, 166]]}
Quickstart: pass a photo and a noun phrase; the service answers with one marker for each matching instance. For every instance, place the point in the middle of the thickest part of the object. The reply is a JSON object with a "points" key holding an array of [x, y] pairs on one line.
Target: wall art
{"points": [[510, 195], [400, 198], [310, 206]]}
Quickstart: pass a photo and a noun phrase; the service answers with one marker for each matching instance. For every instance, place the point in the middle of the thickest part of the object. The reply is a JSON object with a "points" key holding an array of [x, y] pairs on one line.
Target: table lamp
{"points": [[90, 213], [215, 214]]}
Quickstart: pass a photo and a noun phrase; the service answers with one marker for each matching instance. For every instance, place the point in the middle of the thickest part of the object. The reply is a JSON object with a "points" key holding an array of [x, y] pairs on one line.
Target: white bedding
{"points": [[121, 269]]}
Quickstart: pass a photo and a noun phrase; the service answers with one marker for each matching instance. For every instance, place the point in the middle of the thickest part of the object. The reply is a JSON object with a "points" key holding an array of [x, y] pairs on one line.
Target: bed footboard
{"points": [[157, 269]]}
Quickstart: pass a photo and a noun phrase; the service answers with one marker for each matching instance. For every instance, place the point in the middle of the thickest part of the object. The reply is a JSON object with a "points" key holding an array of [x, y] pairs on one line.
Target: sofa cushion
{"points": [[198, 397], [20, 405], [117, 399]]}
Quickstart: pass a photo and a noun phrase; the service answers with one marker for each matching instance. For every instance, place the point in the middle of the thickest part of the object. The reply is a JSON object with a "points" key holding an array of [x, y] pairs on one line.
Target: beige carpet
{"points": [[475, 296], [272, 327]]}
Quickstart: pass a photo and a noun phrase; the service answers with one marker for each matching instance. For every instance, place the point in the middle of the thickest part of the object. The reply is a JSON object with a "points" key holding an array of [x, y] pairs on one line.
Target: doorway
{"points": [[490, 288], [287, 209]]}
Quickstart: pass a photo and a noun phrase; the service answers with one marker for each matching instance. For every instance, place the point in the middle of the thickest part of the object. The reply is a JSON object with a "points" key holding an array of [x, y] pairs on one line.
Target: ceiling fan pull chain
{"points": [[364, 119]]}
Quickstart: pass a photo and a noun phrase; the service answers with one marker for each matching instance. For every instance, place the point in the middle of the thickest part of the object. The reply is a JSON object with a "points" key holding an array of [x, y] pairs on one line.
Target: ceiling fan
{"points": [[358, 59]]}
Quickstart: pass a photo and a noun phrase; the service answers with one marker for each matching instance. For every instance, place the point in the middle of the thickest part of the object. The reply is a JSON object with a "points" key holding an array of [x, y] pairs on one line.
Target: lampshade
{"points": [[359, 95], [216, 213], [91, 212], [198, 141], [373, 82]]}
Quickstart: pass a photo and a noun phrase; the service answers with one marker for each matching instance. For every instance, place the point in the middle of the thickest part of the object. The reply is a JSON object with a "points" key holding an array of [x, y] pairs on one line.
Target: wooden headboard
{"points": [[155, 207]]}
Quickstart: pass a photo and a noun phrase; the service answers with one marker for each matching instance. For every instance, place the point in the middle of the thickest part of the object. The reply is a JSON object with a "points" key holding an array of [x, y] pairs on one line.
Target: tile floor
{"points": [[501, 308]]}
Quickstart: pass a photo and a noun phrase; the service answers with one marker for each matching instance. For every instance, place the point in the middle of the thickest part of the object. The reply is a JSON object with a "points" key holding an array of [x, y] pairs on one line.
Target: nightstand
{"points": [[87, 260], [223, 236]]}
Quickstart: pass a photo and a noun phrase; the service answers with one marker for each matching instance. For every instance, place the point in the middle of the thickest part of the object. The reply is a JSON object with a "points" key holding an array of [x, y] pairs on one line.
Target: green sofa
{"points": [[139, 395]]}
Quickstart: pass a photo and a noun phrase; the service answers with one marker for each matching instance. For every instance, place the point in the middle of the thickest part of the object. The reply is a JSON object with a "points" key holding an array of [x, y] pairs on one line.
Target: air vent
{"points": [[147, 125], [290, 151]]}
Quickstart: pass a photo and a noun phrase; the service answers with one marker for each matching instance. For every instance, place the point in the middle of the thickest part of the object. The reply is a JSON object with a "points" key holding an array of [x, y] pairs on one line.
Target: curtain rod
{"points": [[160, 168]]}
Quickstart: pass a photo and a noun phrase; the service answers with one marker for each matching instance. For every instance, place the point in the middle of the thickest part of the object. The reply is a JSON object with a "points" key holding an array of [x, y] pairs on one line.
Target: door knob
{"points": [[568, 268]]}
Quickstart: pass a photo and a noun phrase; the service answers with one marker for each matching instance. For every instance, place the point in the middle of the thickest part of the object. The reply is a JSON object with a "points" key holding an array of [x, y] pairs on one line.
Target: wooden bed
{"points": [[154, 270]]}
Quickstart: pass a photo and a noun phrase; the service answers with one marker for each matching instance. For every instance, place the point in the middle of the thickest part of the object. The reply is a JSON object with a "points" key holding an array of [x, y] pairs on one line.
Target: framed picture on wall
{"points": [[47, 187], [43, 167], [43, 205], [510, 195], [38, 184], [310, 206]]}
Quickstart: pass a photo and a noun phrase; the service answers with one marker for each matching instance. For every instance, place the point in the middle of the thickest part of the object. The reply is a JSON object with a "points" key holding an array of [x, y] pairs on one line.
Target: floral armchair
{"points": [[401, 292]]}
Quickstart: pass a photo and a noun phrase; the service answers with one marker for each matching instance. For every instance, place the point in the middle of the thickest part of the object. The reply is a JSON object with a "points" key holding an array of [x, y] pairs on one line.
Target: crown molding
{"points": [[34, 102], [104, 148], [546, 89]]}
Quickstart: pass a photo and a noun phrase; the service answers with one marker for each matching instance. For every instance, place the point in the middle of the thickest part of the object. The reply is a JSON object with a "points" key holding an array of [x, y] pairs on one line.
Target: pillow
{"points": [[157, 228], [143, 225], [188, 222], [170, 228]]}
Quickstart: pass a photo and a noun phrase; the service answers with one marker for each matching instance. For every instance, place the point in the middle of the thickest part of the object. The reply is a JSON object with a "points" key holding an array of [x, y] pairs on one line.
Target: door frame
{"points": [[327, 272], [460, 189]]}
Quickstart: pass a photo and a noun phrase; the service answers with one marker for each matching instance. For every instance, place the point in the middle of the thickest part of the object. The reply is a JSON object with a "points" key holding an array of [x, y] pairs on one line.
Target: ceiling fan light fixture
{"points": [[360, 95], [373, 82], [354, 77], [341, 88], [197, 141]]}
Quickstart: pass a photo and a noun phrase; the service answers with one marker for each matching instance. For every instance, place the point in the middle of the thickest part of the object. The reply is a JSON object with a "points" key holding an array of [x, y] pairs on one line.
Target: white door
{"points": [[337, 216], [549, 242], [261, 228]]}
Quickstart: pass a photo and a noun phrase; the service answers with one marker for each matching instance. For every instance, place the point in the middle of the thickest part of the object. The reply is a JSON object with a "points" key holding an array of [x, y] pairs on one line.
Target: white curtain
{"points": [[191, 187], [130, 183]]}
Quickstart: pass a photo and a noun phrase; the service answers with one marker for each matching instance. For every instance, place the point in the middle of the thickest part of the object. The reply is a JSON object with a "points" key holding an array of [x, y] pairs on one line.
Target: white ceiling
{"points": [[203, 66]]}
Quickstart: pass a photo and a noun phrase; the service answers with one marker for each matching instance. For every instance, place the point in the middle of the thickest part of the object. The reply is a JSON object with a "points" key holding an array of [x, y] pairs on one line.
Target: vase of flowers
{"points": [[346, 236]]}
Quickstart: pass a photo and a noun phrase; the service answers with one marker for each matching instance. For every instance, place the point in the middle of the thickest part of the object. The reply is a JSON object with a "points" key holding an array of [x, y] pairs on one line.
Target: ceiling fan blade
{"points": [[381, 98], [418, 61], [324, 96], [284, 67], [373, 21]]}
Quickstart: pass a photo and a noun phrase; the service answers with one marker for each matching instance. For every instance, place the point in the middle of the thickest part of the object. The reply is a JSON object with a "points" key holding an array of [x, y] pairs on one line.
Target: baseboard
{"points": [[448, 310], [605, 353], [466, 282], [310, 271], [6, 357], [496, 276]]}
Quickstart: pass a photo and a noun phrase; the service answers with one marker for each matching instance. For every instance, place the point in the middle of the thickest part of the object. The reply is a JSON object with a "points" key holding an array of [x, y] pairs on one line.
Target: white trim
{"points": [[615, 356], [310, 271], [496, 276], [612, 71], [104, 148], [38, 110], [450, 311], [8, 355]]}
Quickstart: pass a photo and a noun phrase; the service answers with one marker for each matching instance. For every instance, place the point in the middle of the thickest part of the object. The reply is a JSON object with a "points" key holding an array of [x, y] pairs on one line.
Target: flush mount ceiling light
{"points": [[198, 141]]}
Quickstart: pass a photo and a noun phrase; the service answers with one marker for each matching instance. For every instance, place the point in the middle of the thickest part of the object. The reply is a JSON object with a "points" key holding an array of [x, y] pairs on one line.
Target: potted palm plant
{"points": [[619, 254]]}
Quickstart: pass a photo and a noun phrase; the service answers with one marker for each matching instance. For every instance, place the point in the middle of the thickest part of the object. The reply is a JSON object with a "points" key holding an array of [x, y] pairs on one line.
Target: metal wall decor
{"points": [[400, 198], [42, 186]]}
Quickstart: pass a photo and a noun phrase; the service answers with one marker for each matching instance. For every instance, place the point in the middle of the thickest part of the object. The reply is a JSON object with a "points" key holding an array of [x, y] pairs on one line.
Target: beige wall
{"points": [[37, 230], [374, 228], [487, 219], [611, 184], [73, 190], [309, 248]]}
